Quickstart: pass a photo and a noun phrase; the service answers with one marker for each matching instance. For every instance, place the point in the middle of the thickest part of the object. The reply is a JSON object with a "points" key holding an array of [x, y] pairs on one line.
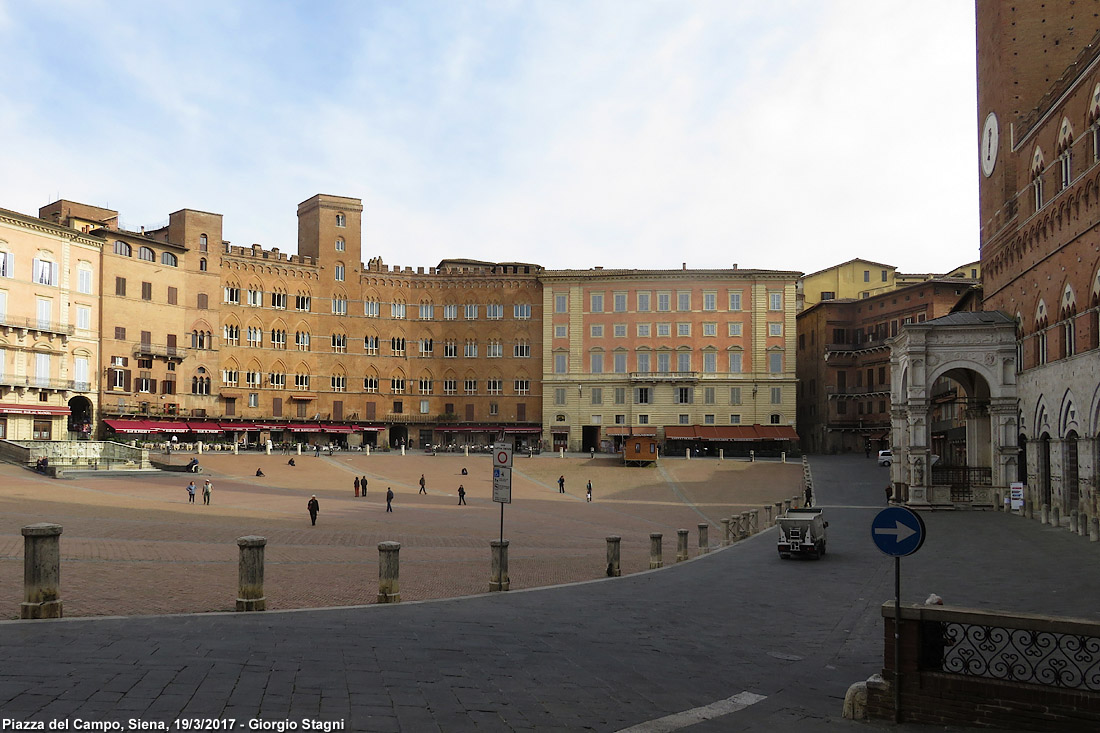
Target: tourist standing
{"points": [[206, 489], [313, 507], [561, 484], [461, 495], [191, 492], [363, 487], [357, 486]]}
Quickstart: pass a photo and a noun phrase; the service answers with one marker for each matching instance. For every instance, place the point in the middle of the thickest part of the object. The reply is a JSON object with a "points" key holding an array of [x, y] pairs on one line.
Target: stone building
{"points": [[1039, 176], [49, 328], [844, 360], [700, 359]]}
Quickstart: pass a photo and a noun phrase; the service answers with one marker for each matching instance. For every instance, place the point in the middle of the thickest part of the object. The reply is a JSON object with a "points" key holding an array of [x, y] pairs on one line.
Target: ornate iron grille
{"points": [[1070, 661]]}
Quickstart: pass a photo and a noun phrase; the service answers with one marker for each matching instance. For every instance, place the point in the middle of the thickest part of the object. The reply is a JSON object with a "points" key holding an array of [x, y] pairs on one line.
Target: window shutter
{"points": [[126, 380], [152, 386], [277, 406]]}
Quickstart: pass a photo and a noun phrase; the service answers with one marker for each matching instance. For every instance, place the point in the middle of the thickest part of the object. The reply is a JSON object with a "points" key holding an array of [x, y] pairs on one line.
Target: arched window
{"points": [[167, 258], [202, 243], [202, 264], [144, 253], [341, 220], [1037, 166], [340, 244], [121, 248]]}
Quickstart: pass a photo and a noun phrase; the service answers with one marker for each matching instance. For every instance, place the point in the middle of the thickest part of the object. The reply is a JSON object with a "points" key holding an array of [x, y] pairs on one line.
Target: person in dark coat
{"points": [[809, 496], [389, 499], [461, 494], [313, 508], [357, 486], [561, 484], [422, 489], [589, 491], [363, 487]]}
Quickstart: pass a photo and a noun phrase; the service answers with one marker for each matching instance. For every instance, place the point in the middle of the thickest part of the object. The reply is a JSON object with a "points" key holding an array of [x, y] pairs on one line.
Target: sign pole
{"points": [[502, 480], [897, 636], [502, 523]]}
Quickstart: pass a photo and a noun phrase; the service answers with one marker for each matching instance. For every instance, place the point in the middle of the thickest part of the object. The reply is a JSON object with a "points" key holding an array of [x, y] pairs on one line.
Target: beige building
{"points": [[49, 329], [700, 359]]}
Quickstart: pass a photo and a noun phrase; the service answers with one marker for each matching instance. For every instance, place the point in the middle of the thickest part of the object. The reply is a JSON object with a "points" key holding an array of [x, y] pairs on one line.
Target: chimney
{"points": [[684, 266]]}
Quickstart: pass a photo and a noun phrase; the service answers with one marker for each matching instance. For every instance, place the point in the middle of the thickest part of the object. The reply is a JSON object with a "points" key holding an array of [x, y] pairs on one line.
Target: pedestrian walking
{"points": [[809, 496], [588, 491], [389, 499], [422, 489], [317, 451], [207, 487], [461, 495], [313, 508], [561, 484], [357, 486], [191, 492], [363, 487]]}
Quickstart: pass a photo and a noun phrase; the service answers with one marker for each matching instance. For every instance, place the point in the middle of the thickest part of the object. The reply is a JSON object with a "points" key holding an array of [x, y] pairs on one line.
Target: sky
{"points": [[788, 134]]}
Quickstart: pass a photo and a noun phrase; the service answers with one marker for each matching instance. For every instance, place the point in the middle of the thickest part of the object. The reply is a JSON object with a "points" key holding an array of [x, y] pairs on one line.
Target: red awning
{"points": [[680, 432], [238, 427], [775, 432], [11, 409], [127, 426], [204, 427], [338, 428], [156, 426], [304, 428], [523, 430], [734, 433], [300, 396]]}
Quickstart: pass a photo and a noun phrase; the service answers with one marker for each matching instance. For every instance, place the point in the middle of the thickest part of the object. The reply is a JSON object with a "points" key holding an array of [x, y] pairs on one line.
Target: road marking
{"points": [[676, 721]]}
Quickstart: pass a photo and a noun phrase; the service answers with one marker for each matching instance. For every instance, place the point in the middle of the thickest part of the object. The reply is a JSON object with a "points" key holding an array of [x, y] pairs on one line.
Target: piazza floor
{"points": [[134, 545]]}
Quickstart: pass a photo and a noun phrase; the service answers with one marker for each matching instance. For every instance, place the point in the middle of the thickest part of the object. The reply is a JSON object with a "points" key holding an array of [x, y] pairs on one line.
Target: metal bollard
{"points": [[726, 532], [498, 579], [250, 574], [41, 571], [613, 568], [655, 559], [389, 589], [682, 545], [704, 542]]}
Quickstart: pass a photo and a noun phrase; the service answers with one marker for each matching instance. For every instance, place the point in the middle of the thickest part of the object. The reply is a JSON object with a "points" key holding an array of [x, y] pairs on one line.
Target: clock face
{"points": [[990, 138]]}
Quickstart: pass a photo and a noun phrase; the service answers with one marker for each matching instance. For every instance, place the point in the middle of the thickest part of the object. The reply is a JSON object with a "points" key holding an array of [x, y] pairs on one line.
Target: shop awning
{"points": [[304, 428], [523, 430], [206, 428], [301, 396], [127, 426], [775, 432], [680, 432], [12, 409], [338, 428], [238, 427], [161, 426]]}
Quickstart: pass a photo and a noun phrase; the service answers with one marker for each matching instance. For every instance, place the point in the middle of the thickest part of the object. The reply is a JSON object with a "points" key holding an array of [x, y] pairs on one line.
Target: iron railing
{"points": [[35, 324], [1051, 658]]}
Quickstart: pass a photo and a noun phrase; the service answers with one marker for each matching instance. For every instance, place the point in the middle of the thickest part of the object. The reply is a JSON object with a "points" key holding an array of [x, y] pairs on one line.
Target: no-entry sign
{"points": [[502, 456]]}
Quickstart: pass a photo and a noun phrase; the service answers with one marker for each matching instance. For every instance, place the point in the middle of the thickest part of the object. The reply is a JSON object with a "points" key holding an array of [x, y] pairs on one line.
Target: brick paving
{"points": [[136, 546]]}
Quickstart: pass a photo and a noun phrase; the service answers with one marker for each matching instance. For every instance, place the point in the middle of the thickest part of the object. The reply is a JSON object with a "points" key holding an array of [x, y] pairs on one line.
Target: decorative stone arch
{"points": [[978, 352]]}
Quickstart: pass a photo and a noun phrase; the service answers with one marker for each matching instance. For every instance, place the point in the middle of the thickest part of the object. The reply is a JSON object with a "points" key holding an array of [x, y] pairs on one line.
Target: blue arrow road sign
{"points": [[898, 531]]}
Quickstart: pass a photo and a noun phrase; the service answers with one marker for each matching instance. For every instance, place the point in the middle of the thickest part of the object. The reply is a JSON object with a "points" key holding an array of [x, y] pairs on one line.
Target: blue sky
{"points": [[790, 134]]}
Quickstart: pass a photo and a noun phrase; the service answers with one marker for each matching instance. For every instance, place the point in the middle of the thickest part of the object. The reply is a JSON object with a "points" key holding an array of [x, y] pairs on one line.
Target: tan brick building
{"points": [[696, 358]]}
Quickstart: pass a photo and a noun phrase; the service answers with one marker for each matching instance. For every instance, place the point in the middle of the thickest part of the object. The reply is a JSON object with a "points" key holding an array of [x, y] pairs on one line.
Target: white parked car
{"points": [[885, 457]]}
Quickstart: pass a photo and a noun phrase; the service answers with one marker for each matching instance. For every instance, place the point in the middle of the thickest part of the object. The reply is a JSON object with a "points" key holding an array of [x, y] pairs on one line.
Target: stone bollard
{"points": [[721, 454], [752, 456], [1029, 511], [655, 559], [998, 505], [687, 453], [561, 452], [250, 574], [754, 521], [1056, 516], [743, 525], [783, 456], [299, 447], [466, 451], [267, 448], [1073, 521], [726, 531], [498, 579], [1045, 515], [768, 516], [198, 446], [1083, 525], [402, 450], [682, 545], [41, 571], [1094, 529], [778, 510], [704, 542], [389, 589], [613, 568], [236, 448], [368, 449]]}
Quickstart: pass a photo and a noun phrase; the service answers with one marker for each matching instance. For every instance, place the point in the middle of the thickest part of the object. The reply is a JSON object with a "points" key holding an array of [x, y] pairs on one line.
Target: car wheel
{"points": [[886, 463]]}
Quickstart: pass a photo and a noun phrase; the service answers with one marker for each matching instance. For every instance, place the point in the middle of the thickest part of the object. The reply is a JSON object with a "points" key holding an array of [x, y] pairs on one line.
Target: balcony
{"points": [[664, 376], [35, 324], [858, 390], [838, 351], [60, 385], [161, 350]]}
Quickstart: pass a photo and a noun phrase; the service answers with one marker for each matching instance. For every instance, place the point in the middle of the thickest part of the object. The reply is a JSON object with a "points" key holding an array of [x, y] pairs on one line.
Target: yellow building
{"points": [[700, 359], [49, 329], [853, 279]]}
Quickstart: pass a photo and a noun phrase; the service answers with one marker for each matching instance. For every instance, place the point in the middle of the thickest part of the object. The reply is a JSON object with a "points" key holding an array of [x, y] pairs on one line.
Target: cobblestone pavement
{"points": [[787, 637], [136, 546]]}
